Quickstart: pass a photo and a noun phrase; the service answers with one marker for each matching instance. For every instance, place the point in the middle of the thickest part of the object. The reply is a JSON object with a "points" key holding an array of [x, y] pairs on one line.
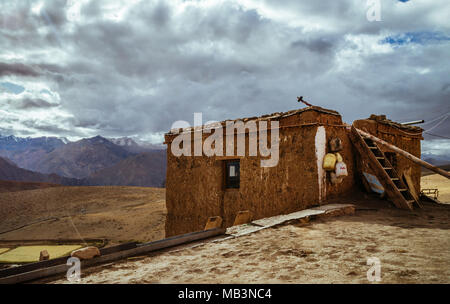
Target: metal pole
{"points": [[414, 122]]}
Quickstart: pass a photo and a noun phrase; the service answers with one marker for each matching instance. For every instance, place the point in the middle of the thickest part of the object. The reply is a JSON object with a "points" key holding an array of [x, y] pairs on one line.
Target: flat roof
{"points": [[383, 120], [273, 116]]}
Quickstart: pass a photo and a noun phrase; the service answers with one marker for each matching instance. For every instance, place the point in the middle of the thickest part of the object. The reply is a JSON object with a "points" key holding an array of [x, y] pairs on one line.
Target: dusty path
{"points": [[413, 247]]}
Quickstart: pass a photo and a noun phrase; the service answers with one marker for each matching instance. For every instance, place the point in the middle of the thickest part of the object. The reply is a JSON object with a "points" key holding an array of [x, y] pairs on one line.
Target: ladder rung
{"points": [[394, 178], [402, 190], [387, 168], [373, 148], [379, 157], [410, 202]]}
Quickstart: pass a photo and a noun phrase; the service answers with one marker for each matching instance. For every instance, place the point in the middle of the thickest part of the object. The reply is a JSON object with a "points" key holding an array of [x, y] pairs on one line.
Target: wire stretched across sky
{"points": [[437, 135], [438, 124], [437, 118]]}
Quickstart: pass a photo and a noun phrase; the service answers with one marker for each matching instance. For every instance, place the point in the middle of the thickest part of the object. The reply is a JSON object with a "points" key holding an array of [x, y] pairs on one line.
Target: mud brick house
{"points": [[200, 187], [404, 137]]}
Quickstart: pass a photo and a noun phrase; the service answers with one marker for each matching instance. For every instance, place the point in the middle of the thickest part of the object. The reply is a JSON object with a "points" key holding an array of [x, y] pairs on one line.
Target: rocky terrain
{"points": [[144, 169], [11, 172], [90, 161]]}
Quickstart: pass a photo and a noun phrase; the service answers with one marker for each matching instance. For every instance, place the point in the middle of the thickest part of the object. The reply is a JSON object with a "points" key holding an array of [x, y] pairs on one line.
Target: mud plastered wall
{"points": [[348, 184], [404, 139], [196, 190]]}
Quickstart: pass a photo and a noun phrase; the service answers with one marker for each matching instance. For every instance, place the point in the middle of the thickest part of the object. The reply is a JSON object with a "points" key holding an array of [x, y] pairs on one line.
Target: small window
{"points": [[232, 174]]}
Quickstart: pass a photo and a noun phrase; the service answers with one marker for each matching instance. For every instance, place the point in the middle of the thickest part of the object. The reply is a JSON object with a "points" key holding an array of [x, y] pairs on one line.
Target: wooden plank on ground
{"points": [[142, 249], [54, 262], [302, 216], [279, 219]]}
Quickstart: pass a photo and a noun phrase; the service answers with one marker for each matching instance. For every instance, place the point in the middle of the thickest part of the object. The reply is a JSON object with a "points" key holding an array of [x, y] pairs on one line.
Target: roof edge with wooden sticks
{"points": [[267, 117]]}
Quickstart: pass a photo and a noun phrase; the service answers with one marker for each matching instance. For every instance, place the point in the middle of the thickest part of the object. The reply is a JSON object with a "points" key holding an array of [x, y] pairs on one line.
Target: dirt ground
{"points": [[436, 181], [413, 247], [118, 214]]}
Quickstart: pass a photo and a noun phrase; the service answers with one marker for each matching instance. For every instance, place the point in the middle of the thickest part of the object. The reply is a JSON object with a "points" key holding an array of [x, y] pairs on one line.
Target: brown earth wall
{"points": [[403, 139], [195, 185]]}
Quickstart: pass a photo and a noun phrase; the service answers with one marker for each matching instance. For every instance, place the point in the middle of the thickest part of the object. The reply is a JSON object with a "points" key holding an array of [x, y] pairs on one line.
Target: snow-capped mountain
{"points": [[135, 146], [124, 141], [14, 143]]}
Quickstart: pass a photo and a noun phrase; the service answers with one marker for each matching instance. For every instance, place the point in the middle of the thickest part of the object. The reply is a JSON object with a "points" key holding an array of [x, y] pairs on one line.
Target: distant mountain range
{"points": [[90, 161], [81, 158], [132, 146], [436, 160], [27, 151], [94, 161], [9, 171], [144, 169]]}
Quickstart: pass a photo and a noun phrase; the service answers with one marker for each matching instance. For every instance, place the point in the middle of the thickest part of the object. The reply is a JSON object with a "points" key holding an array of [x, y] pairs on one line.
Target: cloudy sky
{"points": [[78, 68]]}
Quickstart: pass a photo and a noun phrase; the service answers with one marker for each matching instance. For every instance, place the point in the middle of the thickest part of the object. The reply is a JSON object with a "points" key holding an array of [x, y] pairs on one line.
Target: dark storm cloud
{"points": [[330, 9], [46, 127], [19, 69], [29, 103], [161, 14], [158, 63], [320, 45], [54, 12]]}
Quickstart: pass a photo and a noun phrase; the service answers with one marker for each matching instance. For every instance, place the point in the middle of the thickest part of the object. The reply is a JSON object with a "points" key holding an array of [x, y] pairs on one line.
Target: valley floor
{"points": [[117, 214], [413, 247]]}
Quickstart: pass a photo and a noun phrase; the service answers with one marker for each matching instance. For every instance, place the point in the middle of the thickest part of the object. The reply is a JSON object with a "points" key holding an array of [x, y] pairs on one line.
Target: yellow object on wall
{"points": [[329, 162], [29, 254]]}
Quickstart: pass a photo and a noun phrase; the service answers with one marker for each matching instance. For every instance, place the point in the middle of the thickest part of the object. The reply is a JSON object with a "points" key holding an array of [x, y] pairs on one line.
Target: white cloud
{"points": [[437, 147]]}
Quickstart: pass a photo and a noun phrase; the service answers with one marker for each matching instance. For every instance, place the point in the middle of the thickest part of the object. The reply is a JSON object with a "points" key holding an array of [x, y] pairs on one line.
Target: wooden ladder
{"points": [[396, 189]]}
